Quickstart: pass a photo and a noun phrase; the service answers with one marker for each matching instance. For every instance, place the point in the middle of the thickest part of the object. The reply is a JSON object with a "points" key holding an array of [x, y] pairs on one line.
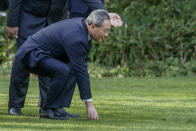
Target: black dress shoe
{"points": [[50, 114], [41, 110], [63, 112], [14, 111]]}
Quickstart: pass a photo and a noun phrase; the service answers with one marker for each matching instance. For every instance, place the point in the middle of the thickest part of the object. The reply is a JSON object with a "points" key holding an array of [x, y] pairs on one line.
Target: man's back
{"points": [[56, 37]]}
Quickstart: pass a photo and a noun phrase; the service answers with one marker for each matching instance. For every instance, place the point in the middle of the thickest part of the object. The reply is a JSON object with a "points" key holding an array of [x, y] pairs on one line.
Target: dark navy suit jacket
{"points": [[33, 15], [81, 8], [29, 15], [67, 39]]}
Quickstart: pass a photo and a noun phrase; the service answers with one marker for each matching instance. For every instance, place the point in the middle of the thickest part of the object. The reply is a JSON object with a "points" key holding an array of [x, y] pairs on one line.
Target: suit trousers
{"points": [[62, 81], [19, 82]]}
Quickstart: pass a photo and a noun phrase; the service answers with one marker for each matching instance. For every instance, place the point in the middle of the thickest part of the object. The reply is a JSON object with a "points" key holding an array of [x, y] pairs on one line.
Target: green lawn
{"points": [[133, 104]]}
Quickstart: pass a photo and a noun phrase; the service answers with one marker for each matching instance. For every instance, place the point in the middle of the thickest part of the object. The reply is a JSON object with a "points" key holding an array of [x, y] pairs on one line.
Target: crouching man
{"points": [[61, 50]]}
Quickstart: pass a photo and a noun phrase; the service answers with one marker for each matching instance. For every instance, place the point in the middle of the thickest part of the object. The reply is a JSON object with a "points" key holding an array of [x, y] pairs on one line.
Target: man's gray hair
{"points": [[98, 17]]}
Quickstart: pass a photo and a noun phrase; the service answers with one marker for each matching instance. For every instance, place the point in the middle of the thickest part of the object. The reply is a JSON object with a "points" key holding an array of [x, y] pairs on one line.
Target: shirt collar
{"points": [[85, 26]]}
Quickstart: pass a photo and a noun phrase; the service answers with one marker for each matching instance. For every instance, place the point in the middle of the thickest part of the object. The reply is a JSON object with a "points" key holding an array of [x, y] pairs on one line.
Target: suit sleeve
{"points": [[95, 4], [14, 13], [77, 55]]}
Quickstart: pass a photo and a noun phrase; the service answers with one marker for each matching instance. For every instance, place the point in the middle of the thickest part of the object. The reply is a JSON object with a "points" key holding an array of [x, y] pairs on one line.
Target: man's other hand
{"points": [[91, 111], [12, 32], [115, 20]]}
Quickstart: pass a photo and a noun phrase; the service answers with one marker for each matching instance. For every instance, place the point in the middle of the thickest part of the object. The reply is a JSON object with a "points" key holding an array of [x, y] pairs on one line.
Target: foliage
{"points": [[7, 46], [155, 35], [128, 104], [158, 38], [169, 68]]}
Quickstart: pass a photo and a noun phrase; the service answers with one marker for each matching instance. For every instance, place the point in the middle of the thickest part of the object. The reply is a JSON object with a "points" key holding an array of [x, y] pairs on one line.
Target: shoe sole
{"points": [[54, 118], [75, 116], [15, 114]]}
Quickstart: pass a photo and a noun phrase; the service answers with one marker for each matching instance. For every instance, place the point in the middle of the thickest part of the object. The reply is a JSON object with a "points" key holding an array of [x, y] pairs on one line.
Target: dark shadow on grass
{"points": [[23, 115], [107, 120], [3, 113], [40, 127]]}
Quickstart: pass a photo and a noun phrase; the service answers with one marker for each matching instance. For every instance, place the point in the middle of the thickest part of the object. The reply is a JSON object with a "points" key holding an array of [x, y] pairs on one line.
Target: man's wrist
{"points": [[89, 103]]}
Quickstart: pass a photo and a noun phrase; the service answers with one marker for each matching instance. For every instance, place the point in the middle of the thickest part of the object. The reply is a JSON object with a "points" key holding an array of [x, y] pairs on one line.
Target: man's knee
{"points": [[64, 71]]}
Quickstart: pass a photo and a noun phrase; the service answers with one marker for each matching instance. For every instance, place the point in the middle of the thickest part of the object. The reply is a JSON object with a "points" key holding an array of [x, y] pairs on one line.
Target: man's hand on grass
{"points": [[91, 111]]}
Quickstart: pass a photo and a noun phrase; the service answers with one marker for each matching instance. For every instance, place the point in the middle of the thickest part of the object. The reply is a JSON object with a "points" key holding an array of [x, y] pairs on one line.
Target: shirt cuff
{"points": [[87, 100]]}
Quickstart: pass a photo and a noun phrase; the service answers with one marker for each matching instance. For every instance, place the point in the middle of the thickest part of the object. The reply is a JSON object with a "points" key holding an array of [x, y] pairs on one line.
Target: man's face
{"points": [[99, 33]]}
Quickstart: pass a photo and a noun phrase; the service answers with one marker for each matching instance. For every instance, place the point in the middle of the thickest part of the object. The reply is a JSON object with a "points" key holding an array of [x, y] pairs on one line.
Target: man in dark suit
{"points": [[61, 50], [26, 17]]}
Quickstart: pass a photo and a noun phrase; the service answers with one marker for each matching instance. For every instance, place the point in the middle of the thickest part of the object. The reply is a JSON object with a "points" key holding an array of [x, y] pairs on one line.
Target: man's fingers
{"points": [[116, 22], [10, 35], [114, 15], [96, 117], [12, 32], [16, 36], [117, 16], [89, 115], [93, 116], [92, 113]]}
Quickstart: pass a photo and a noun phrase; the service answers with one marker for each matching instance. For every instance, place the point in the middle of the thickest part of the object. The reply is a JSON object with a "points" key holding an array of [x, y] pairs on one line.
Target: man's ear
{"points": [[92, 26]]}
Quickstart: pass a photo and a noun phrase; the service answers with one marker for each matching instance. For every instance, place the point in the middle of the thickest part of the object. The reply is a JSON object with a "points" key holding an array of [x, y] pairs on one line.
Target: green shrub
{"points": [[154, 32], [158, 38], [7, 46]]}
